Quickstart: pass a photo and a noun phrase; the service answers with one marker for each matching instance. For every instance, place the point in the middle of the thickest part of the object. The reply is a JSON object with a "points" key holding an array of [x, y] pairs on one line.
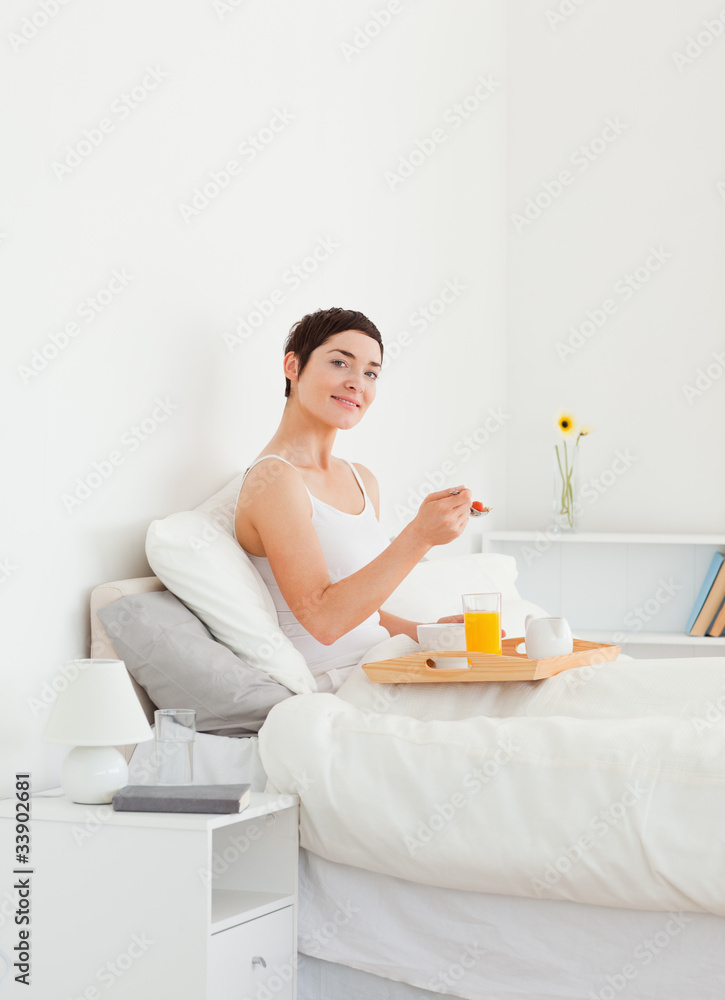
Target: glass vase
{"points": [[566, 486]]}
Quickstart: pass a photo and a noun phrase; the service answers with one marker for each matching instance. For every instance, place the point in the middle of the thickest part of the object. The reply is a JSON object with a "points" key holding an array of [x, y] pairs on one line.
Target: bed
{"points": [[544, 839]]}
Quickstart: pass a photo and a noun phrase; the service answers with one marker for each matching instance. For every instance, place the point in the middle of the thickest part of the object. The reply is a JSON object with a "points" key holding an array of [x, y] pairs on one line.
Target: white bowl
{"points": [[439, 637]]}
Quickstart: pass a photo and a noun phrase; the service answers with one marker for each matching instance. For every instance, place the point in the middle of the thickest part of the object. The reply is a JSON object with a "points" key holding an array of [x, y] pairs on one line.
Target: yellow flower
{"points": [[586, 429], [566, 424]]}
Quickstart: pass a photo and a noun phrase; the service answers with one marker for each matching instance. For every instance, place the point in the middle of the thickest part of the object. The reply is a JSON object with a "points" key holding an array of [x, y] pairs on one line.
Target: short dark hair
{"points": [[317, 327]]}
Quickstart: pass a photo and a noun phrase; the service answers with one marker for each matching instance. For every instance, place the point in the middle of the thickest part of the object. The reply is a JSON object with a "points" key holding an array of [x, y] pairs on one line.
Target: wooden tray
{"points": [[417, 668]]}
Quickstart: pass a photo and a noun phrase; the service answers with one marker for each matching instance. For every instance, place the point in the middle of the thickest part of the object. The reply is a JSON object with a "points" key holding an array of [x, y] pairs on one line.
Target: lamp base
{"points": [[93, 774]]}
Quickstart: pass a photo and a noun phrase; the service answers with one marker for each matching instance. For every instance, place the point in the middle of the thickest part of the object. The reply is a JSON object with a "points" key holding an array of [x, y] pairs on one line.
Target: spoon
{"points": [[480, 513], [473, 511]]}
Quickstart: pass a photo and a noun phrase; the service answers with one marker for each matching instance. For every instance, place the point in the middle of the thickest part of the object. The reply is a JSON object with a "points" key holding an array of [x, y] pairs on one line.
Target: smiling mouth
{"points": [[345, 402]]}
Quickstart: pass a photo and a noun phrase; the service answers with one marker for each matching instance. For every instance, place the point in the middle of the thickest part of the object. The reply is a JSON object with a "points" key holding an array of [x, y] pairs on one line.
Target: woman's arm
{"points": [[398, 626], [393, 623], [279, 509]]}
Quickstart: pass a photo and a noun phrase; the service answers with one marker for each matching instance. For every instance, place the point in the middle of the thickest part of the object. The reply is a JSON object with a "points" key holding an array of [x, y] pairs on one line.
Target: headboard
{"points": [[102, 644]]}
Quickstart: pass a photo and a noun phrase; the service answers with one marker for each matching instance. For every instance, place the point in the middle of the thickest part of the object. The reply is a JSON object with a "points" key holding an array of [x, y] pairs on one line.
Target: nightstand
{"points": [[157, 905]]}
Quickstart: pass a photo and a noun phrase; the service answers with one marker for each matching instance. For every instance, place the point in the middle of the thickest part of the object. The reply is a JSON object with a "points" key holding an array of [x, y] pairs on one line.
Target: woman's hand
{"points": [[456, 620], [442, 516]]}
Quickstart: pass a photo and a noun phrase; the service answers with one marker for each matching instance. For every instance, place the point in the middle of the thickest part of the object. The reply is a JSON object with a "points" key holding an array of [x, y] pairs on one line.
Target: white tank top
{"points": [[349, 542]]}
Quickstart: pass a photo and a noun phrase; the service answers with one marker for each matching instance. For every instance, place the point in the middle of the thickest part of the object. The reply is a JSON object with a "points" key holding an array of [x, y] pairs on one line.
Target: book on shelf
{"points": [[710, 598], [718, 624], [182, 798]]}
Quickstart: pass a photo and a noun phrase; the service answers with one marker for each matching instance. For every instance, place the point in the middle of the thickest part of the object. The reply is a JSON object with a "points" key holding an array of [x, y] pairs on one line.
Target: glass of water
{"points": [[175, 733]]}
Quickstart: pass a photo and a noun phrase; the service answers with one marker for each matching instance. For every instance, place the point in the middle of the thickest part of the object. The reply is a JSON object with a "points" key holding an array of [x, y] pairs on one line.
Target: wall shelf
{"points": [[633, 588], [653, 638], [605, 538]]}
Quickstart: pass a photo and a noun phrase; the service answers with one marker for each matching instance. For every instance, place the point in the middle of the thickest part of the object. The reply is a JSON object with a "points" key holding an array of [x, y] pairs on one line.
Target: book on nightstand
{"points": [[182, 798], [710, 598]]}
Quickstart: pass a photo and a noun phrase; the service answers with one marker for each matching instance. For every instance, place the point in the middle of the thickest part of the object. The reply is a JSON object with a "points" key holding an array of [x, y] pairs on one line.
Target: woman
{"points": [[309, 521]]}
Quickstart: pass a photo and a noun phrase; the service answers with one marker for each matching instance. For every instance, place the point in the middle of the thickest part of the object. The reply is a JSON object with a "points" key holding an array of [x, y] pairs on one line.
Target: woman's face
{"points": [[338, 381]]}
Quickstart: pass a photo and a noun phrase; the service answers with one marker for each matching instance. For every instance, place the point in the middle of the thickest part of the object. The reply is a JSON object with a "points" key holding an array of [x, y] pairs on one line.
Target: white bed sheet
{"points": [[488, 947], [611, 767], [321, 980], [478, 946]]}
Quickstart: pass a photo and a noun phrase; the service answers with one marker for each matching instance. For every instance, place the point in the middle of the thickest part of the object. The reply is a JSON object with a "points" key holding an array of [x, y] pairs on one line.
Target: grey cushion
{"points": [[175, 658]]}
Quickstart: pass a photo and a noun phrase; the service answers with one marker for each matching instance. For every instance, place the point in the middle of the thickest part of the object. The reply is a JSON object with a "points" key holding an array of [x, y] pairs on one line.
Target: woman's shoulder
{"points": [[267, 480], [273, 494], [268, 458]]}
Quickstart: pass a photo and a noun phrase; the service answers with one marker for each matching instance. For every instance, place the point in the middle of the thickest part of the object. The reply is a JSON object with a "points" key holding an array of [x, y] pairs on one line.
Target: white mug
{"points": [[547, 637]]}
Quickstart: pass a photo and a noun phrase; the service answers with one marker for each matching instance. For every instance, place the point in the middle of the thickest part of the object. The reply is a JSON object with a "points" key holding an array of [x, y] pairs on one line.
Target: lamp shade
{"points": [[99, 707]]}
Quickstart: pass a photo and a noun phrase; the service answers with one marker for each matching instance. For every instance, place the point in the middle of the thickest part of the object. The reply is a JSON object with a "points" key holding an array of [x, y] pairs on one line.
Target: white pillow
{"points": [[433, 588], [196, 556], [222, 507]]}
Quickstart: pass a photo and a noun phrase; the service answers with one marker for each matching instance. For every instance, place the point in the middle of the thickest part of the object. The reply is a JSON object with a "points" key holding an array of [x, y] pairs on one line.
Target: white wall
{"points": [[660, 183], [221, 73]]}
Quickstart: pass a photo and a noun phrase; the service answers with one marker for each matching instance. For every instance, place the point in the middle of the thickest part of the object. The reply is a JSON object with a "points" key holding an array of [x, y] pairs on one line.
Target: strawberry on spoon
{"points": [[476, 509]]}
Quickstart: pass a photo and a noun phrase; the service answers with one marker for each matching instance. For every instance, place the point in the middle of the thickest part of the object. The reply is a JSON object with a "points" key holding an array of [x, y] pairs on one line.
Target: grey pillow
{"points": [[175, 658]]}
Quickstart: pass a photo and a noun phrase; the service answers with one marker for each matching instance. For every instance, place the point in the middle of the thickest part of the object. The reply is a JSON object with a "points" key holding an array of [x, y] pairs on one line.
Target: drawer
{"points": [[233, 972]]}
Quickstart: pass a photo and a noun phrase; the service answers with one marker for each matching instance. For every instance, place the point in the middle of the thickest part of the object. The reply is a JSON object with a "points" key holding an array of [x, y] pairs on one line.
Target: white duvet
{"points": [[602, 785]]}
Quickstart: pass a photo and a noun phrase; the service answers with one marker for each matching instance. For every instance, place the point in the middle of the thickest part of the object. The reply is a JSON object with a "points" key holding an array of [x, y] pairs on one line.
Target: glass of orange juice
{"points": [[482, 618]]}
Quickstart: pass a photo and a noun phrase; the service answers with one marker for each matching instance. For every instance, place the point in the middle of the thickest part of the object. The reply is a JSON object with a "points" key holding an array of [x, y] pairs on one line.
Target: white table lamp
{"points": [[96, 712]]}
